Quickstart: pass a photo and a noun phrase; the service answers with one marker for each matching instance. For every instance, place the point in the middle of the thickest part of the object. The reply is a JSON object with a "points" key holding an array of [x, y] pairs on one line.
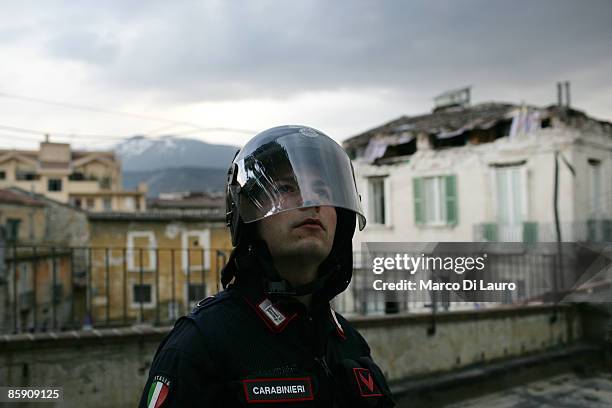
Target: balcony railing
{"points": [[594, 230], [53, 288], [118, 286]]}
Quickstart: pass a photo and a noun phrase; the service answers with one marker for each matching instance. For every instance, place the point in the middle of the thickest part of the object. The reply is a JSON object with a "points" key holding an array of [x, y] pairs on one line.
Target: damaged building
{"points": [[485, 172]]}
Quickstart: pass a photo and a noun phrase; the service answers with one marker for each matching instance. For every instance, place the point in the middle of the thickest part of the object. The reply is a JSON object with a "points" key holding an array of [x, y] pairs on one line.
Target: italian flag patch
{"points": [[158, 391]]}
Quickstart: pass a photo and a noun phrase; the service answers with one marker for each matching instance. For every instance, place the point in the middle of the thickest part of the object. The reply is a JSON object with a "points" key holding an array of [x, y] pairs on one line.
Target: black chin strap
{"points": [[258, 255]]}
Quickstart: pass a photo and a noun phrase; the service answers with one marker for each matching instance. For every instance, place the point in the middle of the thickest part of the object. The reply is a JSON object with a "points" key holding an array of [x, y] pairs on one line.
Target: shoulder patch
{"points": [[158, 391], [209, 301]]}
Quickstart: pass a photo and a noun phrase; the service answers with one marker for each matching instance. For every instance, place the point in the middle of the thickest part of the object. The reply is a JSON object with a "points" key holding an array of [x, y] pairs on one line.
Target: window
{"points": [[510, 187], [12, 229], [25, 277], [26, 175], [91, 203], [129, 204], [435, 200], [75, 202], [196, 291], [54, 185], [510, 194], [141, 251], [105, 182], [2, 175], [376, 194], [107, 204], [76, 176], [195, 253], [142, 294], [595, 187]]}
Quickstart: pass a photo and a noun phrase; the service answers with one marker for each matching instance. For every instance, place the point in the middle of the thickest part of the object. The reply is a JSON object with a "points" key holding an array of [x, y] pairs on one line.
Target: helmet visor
{"points": [[295, 167]]}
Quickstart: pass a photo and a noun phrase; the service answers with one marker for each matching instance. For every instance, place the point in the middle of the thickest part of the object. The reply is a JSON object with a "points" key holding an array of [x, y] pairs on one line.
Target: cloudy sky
{"points": [[94, 73]]}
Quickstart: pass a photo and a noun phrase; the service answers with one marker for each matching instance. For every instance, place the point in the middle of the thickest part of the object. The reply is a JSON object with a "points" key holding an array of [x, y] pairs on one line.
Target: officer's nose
{"points": [[317, 209]]}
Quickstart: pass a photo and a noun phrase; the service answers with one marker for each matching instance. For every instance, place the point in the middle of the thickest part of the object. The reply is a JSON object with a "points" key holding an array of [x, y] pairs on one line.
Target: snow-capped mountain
{"points": [[170, 164], [140, 153], [177, 179]]}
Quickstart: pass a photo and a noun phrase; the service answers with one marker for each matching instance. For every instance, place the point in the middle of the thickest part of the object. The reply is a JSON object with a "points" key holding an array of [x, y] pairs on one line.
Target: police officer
{"points": [[271, 338]]}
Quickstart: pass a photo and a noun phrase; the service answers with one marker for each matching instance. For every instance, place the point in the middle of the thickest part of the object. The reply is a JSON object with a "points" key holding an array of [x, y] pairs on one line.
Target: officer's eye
{"points": [[323, 193], [285, 188]]}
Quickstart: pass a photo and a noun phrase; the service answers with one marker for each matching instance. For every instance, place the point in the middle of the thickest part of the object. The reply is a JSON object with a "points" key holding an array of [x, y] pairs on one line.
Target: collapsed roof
{"points": [[455, 126]]}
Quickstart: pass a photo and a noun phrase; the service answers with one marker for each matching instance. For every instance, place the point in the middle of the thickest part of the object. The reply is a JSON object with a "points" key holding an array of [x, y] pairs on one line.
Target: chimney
{"points": [[560, 88]]}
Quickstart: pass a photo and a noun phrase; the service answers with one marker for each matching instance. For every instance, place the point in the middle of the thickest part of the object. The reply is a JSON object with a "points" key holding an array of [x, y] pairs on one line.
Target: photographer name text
{"points": [[431, 285]]}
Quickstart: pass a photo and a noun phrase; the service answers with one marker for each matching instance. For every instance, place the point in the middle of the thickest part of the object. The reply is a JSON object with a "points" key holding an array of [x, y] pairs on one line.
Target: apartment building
{"points": [[90, 180], [40, 274], [153, 266], [486, 172]]}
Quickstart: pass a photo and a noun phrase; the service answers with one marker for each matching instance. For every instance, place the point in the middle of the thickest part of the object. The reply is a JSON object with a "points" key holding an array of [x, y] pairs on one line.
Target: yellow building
{"points": [[37, 277], [40, 295], [22, 217], [86, 179], [153, 266]]}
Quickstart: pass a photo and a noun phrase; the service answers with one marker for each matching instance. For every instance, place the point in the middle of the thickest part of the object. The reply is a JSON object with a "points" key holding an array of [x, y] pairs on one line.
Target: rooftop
{"points": [[10, 196], [177, 215], [445, 127], [188, 201]]}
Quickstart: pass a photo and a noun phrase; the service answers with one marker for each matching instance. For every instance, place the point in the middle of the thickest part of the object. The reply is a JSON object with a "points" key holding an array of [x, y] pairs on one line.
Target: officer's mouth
{"points": [[310, 223]]}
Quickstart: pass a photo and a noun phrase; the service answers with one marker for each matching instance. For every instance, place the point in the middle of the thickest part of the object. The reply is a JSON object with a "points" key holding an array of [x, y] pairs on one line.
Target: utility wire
{"points": [[68, 135], [116, 112]]}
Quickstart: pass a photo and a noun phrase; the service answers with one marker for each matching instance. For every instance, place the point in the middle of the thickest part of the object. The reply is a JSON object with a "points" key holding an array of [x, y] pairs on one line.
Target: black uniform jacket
{"points": [[240, 348]]}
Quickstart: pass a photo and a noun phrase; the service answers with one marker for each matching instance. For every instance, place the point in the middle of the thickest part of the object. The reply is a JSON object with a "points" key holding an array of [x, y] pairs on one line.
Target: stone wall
{"points": [[102, 368], [406, 346]]}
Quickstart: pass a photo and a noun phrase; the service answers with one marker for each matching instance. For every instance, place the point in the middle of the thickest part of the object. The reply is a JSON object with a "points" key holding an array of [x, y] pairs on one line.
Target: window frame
{"points": [[192, 302], [386, 213], [134, 304], [55, 182], [130, 250], [444, 197], [595, 189], [204, 245]]}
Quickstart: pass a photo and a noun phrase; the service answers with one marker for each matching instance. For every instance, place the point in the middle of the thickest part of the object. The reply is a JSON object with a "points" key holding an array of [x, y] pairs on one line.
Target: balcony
{"points": [[26, 176], [89, 183]]}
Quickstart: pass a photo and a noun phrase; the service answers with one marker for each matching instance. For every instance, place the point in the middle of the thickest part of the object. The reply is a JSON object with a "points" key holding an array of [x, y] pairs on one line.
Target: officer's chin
{"points": [[312, 248]]}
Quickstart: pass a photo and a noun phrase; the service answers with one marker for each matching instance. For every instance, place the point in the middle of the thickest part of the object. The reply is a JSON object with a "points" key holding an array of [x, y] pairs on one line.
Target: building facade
{"points": [[90, 180], [153, 266], [483, 173], [486, 173], [40, 285]]}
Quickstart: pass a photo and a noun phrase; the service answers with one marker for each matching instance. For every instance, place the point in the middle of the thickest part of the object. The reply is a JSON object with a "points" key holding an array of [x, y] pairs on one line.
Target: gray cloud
{"points": [[83, 45], [187, 51], [277, 49]]}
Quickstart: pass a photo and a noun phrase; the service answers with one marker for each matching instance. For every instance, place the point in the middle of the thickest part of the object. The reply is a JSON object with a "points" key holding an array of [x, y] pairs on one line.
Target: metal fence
{"points": [[537, 276], [46, 288], [593, 230]]}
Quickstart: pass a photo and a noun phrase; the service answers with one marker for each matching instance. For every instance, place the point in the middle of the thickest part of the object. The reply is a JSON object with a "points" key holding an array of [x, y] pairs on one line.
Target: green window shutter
{"points": [[607, 230], [591, 230], [530, 232], [490, 231], [417, 190], [451, 199]]}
